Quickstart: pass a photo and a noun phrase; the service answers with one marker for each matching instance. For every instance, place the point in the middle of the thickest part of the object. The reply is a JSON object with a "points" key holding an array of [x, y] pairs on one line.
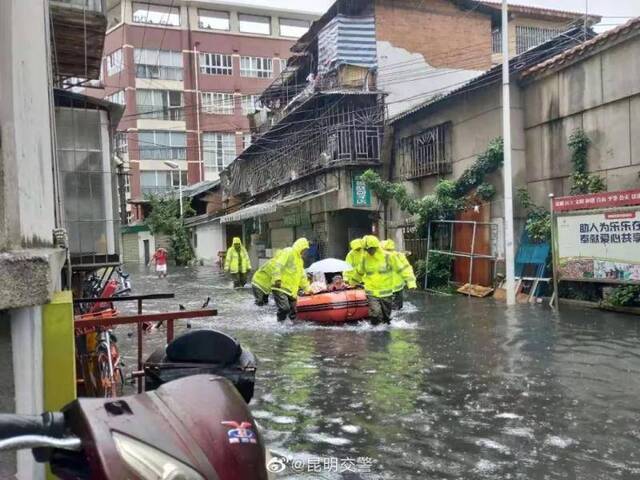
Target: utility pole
{"points": [[506, 170]]}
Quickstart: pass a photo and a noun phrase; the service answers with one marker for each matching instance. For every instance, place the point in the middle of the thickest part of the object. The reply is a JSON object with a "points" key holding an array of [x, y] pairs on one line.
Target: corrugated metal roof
{"points": [[547, 12], [631, 28]]}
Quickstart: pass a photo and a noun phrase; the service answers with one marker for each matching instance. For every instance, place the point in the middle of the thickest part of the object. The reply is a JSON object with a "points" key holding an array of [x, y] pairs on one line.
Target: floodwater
{"points": [[455, 388]]}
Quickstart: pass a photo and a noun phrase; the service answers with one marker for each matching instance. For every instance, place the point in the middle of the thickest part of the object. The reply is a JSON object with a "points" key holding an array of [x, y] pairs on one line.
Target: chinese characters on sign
{"points": [[361, 193], [593, 246], [597, 200]]}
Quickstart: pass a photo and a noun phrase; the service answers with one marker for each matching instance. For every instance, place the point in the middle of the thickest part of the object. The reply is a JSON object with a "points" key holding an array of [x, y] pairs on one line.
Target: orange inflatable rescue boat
{"points": [[341, 306]]}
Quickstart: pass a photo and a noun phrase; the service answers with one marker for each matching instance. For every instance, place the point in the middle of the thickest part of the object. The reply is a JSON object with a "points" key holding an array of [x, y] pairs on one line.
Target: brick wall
{"points": [[447, 36]]}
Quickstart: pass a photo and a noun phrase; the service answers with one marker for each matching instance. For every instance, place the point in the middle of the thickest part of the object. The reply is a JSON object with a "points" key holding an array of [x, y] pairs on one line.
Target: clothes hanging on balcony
{"points": [[347, 40]]}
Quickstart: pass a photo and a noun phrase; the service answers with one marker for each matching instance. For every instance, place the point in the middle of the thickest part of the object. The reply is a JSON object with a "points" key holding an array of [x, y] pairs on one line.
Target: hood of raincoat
{"points": [[356, 244], [301, 244], [370, 241], [236, 241], [388, 245]]}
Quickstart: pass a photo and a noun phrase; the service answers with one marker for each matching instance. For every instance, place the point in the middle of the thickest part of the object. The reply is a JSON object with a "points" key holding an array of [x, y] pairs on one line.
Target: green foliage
{"points": [[449, 197], [165, 219], [538, 224], [581, 181], [624, 296], [439, 270]]}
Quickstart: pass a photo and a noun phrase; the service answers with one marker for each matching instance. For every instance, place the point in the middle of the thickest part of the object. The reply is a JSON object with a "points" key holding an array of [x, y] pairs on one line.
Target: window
{"points": [[249, 103], [156, 14], [216, 64], [120, 141], [161, 181], [212, 20], [256, 67], [246, 140], [425, 153], [293, 28], [496, 40], [218, 150], [127, 184], [115, 62], [159, 104], [218, 103], [162, 145], [529, 37], [117, 97], [158, 64], [255, 24]]}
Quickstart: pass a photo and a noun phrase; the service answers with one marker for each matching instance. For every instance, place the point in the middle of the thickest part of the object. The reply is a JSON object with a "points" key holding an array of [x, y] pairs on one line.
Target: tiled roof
{"points": [[539, 11], [631, 28]]}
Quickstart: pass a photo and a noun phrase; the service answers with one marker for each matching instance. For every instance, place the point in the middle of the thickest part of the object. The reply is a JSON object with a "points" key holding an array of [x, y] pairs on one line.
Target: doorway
{"points": [[147, 252]]}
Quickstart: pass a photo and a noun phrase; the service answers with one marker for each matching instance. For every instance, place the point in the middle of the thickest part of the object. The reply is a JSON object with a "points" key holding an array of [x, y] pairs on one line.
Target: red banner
{"points": [[592, 201]]}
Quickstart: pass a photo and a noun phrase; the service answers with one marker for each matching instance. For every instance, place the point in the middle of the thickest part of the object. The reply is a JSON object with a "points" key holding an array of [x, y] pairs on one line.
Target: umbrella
{"points": [[329, 265]]}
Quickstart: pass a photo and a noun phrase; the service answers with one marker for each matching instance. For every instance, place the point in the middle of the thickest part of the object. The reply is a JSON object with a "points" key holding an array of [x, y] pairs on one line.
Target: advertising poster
{"points": [[599, 246]]}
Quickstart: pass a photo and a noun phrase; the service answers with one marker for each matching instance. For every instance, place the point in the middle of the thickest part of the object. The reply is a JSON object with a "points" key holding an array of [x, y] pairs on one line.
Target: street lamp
{"points": [[175, 166]]}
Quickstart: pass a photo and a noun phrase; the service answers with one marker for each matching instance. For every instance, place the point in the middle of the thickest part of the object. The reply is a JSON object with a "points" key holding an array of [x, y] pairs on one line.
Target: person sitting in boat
{"points": [[353, 258], [376, 271], [404, 277], [237, 263], [337, 284], [318, 283]]}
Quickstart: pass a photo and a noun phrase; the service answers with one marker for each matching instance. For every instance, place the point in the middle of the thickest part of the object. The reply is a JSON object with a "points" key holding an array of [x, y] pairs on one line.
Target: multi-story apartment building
{"points": [[188, 73]]}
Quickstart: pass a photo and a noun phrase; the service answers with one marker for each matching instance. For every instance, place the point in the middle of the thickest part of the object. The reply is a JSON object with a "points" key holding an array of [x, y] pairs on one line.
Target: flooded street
{"points": [[454, 388]]}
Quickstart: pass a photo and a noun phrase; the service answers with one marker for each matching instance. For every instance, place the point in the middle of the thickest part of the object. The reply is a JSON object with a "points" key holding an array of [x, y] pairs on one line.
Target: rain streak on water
{"points": [[455, 388]]}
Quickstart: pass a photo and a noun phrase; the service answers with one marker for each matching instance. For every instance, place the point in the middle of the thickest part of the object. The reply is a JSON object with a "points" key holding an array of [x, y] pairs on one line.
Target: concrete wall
{"points": [[211, 239], [26, 178], [600, 94], [474, 120]]}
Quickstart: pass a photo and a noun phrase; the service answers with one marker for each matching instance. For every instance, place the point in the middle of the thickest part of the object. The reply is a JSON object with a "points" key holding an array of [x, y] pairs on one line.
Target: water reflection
{"points": [[455, 388]]}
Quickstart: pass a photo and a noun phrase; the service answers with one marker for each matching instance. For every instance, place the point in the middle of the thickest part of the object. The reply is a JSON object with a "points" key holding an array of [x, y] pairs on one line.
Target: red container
{"points": [[333, 307]]}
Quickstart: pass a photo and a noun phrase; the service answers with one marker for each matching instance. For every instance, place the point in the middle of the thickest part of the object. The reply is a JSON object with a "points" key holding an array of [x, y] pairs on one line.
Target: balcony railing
{"points": [[148, 152], [157, 190]]}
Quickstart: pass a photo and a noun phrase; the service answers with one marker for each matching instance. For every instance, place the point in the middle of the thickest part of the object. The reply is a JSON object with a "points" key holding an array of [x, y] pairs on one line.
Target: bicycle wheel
{"points": [[107, 385]]}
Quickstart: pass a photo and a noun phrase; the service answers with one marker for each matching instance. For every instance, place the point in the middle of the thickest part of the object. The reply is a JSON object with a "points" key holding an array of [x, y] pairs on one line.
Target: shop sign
{"points": [[361, 192]]}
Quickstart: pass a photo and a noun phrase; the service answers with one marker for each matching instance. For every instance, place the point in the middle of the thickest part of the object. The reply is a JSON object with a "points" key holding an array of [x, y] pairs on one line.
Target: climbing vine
{"points": [[581, 181], [538, 224], [450, 196], [165, 219]]}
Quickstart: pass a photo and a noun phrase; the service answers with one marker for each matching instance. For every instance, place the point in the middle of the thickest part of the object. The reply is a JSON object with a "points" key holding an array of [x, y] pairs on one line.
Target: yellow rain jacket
{"points": [[376, 272], [353, 258], [237, 259], [288, 267], [403, 276]]}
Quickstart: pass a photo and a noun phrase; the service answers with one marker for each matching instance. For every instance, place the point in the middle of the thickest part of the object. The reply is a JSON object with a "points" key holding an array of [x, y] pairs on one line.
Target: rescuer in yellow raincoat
{"points": [[353, 258], [376, 271], [283, 276], [404, 277], [237, 263]]}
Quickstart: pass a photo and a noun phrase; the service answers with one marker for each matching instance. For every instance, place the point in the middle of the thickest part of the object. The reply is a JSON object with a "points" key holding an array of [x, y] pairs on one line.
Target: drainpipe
{"points": [[199, 132]]}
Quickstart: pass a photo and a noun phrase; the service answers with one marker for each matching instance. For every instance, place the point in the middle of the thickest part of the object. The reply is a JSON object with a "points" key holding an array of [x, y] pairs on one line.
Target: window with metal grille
{"points": [[160, 104], [217, 103], [161, 181], [496, 41], [425, 153], [529, 37], [259, 67], [158, 64], [156, 14], [218, 150], [115, 62], [121, 144], [162, 145], [216, 64], [248, 103]]}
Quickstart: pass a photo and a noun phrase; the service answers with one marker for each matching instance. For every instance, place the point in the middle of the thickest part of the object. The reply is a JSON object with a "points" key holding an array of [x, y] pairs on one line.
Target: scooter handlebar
{"points": [[49, 424], [39, 441]]}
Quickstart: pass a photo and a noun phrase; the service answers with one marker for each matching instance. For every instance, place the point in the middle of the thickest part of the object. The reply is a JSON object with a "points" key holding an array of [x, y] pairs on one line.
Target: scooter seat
{"points": [[204, 346]]}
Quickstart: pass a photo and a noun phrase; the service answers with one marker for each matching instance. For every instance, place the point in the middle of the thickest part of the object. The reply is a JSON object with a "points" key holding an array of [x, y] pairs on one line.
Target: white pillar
{"points": [[507, 173], [26, 345]]}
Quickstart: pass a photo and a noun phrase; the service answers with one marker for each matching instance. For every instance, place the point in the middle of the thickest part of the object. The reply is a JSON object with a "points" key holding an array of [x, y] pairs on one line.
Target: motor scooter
{"points": [[194, 428]]}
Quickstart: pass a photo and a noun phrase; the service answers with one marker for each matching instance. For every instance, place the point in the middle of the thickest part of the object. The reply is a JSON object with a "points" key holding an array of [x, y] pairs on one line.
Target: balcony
{"points": [[78, 30], [161, 113]]}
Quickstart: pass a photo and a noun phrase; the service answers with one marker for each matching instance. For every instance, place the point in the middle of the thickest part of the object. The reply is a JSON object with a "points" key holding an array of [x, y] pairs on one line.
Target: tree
{"points": [[165, 219]]}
